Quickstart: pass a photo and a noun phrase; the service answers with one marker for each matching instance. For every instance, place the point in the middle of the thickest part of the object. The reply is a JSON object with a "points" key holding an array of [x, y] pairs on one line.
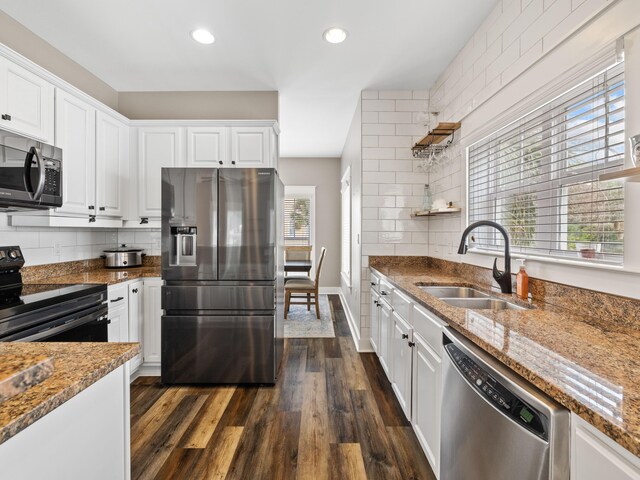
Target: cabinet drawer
{"points": [[118, 295], [429, 326], [385, 289], [401, 305], [375, 282]]}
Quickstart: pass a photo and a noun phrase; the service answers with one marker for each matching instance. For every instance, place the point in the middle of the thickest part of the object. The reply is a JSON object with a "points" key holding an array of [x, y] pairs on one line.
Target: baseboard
{"points": [[329, 290], [355, 333], [146, 371]]}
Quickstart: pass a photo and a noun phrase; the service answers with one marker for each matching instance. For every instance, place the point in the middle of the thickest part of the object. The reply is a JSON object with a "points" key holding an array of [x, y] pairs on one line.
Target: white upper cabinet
{"points": [[251, 147], [157, 147], [112, 159], [208, 147], [26, 102], [76, 135]]}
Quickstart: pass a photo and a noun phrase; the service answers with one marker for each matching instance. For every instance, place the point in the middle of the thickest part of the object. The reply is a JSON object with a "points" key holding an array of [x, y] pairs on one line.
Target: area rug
{"points": [[303, 324]]}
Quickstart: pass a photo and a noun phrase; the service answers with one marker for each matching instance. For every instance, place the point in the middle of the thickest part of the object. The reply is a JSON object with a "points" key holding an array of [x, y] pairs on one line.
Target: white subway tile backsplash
{"points": [[370, 165], [369, 94], [369, 117], [417, 130], [409, 202], [370, 189], [396, 166], [395, 141], [378, 105], [394, 213], [378, 226], [396, 117], [378, 249], [378, 153], [379, 177], [394, 237], [370, 141], [370, 237], [370, 213], [378, 201], [395, 94], [411, 106], [378, 129], [420, 94], [412, 177], [395, 189], [412, 250], [508, 56]]}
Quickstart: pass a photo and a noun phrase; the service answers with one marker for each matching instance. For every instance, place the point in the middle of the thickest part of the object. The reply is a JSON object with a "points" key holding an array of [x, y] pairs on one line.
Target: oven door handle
{"points": [[70, 324], [28, 161]]}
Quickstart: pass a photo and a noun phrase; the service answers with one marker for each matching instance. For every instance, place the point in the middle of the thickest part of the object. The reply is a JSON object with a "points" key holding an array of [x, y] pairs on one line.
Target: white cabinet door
{"points": [[375, 321], [76, 135], [118, 329], [595, 456], [401, 338], [26, 102], [385, 331], [208, 147], [250, 146], [136, 312], [157, 147], [152, 321], [427, 374], [112, 162]]}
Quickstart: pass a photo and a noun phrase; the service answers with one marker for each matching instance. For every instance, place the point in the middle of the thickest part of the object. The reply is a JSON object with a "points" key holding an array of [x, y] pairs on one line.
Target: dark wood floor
{"points": [[332, 415]]}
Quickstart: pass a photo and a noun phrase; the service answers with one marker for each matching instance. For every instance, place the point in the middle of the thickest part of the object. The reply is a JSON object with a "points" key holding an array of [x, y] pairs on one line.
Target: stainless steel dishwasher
{"points": [[495, 425]]}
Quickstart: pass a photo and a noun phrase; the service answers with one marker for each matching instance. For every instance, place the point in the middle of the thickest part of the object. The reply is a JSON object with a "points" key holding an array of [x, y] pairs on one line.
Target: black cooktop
{"points": [[18, 299]]}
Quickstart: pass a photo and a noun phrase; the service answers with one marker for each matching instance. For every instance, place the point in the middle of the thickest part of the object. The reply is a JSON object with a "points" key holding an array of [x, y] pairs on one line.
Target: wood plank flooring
{"points": [[332, 415]]}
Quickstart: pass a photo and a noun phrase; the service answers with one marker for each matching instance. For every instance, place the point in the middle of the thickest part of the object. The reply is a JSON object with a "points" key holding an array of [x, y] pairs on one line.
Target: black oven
{"points": [[30, 173]]}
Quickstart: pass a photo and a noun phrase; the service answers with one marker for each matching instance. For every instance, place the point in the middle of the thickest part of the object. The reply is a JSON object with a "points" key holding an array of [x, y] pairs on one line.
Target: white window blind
{"points": [[539, 176], [297, 221], [345, 192]]}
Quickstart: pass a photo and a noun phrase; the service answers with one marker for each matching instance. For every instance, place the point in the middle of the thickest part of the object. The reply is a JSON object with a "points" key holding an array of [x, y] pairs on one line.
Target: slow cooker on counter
{"points": [[123, 257]]}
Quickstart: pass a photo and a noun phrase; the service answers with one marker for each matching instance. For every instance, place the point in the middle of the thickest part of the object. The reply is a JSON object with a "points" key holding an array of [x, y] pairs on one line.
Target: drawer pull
{"points": [[117, 299], [405, 336], [411, 344], [135, 290], [383, 293]]}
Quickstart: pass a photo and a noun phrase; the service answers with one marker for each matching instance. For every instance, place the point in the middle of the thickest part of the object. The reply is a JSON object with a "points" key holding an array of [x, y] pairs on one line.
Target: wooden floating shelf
{"points": [[626, 173], [437, 135], [435, 213]]}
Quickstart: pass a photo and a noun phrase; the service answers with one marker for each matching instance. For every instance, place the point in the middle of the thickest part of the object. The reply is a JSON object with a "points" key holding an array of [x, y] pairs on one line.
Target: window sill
{"points": [[559, 261]]}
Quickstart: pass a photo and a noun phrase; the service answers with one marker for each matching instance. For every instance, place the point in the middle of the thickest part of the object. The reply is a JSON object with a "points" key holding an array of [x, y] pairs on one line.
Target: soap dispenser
{"points": [[522, 282]]}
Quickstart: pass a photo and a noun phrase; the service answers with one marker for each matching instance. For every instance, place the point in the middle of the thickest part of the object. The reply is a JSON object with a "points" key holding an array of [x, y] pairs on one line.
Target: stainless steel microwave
{"points": [[30, 173]]}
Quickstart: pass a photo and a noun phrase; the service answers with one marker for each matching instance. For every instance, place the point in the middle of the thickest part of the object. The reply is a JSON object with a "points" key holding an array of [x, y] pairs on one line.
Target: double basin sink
{"points": [[465, 297]]}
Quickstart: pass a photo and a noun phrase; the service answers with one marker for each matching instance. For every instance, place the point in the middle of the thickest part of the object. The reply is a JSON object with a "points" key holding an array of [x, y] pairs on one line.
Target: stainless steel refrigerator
{"points": [[223, 267]]}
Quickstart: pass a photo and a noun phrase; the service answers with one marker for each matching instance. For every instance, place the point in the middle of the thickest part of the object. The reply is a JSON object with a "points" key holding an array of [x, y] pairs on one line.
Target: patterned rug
{"points": [[303, 324]]}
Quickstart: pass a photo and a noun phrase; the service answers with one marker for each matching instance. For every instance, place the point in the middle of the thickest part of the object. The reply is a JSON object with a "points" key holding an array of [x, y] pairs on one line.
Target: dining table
{"points": [[298, 266]]}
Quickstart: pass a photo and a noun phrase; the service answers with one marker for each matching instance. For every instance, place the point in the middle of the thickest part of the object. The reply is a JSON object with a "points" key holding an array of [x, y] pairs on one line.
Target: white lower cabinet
{"points": [[136, 314], [384, 355], [375, 321], [401, 351], [151, 323], [118, 330], [594, 456], [427, 391]]}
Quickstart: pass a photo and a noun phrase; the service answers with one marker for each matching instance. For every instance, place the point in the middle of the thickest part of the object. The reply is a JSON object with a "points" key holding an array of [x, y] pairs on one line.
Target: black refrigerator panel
{"points": [[247, 224], [189, 224], [218, 349]]}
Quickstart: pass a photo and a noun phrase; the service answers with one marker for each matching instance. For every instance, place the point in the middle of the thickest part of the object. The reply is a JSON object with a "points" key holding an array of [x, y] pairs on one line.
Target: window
{"points": [[345, 192], [539, 176], [299, 215]]}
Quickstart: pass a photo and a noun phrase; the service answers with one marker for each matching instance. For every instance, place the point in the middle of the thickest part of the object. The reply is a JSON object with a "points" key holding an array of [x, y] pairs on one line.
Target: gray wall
{"points": [[15, 36], [199, 105], [324, 174]]}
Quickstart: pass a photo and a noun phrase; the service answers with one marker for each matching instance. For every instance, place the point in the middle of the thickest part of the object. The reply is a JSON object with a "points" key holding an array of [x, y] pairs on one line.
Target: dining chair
{"points": [[304, 288], [296, 253]]}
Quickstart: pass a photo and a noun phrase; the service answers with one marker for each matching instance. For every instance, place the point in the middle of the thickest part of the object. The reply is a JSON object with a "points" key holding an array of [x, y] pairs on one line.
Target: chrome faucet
{"points": [[503, 278]]}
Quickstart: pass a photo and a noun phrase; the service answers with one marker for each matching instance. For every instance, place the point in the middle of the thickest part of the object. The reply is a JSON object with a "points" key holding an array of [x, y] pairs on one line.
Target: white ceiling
{"points": [[144, 45]]}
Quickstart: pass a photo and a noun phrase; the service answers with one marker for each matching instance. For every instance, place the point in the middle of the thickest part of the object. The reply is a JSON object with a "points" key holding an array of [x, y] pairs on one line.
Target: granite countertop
{"points": [[77, 366], [104, 276], [589, 365]]}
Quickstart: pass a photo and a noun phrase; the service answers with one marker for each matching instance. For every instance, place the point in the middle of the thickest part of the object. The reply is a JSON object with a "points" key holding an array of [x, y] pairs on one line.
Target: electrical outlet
{"points": [[57, 247]]}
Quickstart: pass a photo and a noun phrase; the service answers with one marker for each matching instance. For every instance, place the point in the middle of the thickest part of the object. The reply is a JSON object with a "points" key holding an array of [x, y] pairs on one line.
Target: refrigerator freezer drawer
{"points": [[218, 349], [218, 297]]}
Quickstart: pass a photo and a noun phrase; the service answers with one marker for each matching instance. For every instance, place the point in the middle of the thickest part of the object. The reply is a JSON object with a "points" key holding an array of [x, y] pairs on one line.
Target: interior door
{"points": [[247, 224]]}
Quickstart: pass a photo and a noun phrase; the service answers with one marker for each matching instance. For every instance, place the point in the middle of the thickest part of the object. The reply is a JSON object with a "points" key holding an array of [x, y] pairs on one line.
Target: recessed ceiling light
{"points": [[335, 35], [202, 35]]}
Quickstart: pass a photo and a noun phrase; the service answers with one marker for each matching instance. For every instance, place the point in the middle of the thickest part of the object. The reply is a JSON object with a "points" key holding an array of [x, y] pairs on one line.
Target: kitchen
{"points": [[520, 122]]}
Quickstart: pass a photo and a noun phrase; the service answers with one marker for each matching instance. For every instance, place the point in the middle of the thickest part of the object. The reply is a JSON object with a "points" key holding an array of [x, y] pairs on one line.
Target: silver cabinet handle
{"points": [[117, 299]]}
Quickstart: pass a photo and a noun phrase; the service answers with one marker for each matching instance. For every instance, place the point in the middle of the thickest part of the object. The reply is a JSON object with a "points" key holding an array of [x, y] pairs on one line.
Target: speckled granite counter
{"points": [[590, 365], [104, 276], [77, 366]]}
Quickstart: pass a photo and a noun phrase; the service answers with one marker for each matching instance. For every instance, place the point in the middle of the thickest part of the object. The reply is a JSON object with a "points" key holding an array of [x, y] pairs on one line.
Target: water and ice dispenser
{"points": [[184, 246]]}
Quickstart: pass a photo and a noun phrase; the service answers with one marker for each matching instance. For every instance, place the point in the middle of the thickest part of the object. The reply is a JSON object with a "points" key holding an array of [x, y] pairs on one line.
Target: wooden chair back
{"points": [[297, 252], [322, 252]]}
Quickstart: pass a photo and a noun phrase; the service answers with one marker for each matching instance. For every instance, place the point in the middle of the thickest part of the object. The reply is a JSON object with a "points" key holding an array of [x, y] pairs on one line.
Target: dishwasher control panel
{"points": [[497, 394]]}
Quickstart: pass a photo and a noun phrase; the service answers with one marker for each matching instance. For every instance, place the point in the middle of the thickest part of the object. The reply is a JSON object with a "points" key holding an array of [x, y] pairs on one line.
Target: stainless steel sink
{"points": [[453, 292], [482, 303]]}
